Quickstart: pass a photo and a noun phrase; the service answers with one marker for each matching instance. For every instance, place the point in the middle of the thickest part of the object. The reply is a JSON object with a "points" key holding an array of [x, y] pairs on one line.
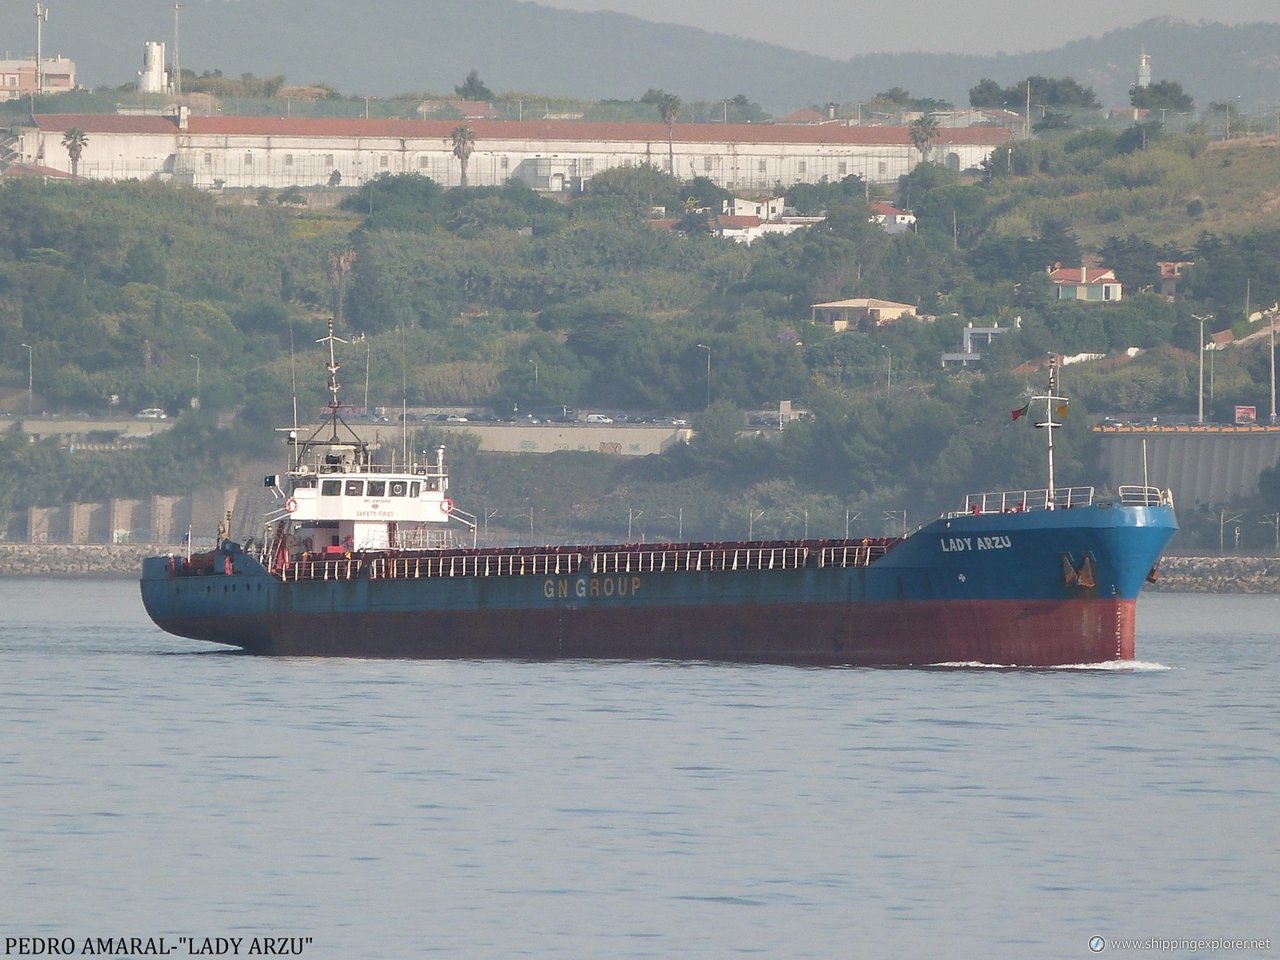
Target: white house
{"points": [[768, 209], [211, 152], [974, 337], [890, 218], [1095, 284]]}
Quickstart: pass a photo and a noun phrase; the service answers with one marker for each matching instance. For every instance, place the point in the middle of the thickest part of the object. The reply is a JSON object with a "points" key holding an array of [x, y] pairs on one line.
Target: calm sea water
{"points": [[393, 809]]}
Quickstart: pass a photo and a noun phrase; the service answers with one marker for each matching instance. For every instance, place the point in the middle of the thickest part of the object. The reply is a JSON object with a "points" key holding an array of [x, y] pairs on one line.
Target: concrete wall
{"points": [[1209, 465], [253, 153], [154, 520]]}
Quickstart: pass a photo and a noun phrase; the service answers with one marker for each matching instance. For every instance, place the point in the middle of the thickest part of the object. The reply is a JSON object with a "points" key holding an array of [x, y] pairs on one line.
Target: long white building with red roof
{"points": [[214, 152]]}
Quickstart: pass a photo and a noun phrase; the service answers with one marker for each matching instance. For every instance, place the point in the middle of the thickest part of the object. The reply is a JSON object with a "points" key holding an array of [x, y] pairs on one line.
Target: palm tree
{"points": [[669, 109], [464, 144], [923, 131], [75, 140]]}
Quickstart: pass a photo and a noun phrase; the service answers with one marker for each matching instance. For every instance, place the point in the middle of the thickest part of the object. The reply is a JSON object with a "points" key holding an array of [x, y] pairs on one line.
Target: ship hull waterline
{"points": [[908, 633]]}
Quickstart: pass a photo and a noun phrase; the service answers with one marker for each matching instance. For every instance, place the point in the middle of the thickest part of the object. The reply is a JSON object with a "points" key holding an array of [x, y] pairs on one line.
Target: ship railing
{"points": [[344, 568], [698, 560], [474, 565], [852, 555], [1022, 501], [1134, 495]]}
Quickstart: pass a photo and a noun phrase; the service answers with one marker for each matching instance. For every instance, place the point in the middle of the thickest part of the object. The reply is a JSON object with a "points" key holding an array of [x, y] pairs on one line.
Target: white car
{"points": [[152, 413]]}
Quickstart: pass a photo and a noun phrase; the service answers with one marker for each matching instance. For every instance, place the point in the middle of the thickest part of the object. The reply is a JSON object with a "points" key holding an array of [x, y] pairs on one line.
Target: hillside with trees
{"points": [[499, 298]]}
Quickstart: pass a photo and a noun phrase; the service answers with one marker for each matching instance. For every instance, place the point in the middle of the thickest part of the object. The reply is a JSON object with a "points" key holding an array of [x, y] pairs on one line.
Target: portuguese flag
{"points": [[1023, 411]]}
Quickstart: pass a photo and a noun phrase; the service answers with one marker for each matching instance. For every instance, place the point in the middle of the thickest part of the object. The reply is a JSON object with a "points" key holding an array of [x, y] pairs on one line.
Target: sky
{"points": [[843, 29]]}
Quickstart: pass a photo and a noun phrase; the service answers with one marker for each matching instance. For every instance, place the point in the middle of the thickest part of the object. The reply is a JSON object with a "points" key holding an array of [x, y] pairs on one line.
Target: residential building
{"points": [[975, 337], [770, 208], [890, 218], [861, 312], [1095, 284], [1171, 276], [18, 77]]}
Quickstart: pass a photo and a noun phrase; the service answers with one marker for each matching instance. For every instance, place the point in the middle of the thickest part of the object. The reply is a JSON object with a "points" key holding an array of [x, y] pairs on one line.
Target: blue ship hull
{"points": [[1032, 588]]}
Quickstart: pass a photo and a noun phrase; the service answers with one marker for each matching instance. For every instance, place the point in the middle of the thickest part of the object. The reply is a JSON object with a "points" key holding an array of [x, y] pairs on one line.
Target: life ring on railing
{"points": [[446, 505], [290, 505]]}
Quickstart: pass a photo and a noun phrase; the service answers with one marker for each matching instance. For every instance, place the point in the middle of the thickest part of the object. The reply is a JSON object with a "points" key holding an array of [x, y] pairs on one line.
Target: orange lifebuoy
{"points": [[446, 505], [290, 505]]}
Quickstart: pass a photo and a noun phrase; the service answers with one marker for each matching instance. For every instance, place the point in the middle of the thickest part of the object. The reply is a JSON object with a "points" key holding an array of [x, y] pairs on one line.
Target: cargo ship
{"points": [[360, 559]]}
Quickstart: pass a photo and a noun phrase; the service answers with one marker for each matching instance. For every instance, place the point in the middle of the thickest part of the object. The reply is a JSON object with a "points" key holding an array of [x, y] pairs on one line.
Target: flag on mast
{"points": [[1022, 412]]}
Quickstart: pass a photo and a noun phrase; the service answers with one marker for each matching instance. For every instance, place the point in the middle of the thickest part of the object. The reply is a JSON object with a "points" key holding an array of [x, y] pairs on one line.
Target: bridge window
{"points": [[397, 488], [331, 488], [354, 488], [415, 488], [377, 488]]}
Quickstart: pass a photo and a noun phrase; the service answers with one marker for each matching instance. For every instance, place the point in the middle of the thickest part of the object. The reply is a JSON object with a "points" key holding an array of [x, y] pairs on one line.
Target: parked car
{"points": [[152, 413], [598, 418]]}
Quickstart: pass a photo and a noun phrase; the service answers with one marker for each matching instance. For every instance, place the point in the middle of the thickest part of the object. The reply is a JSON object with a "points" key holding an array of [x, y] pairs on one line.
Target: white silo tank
{"points": [[152, 78]]}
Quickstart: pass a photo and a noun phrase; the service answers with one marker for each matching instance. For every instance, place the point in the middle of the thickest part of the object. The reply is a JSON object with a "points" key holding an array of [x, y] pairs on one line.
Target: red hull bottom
{"points": [[1015, 633]]}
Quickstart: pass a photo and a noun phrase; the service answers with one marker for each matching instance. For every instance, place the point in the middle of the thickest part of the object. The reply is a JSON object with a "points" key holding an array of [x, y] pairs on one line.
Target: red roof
{"points": [[34, 170], [1082, 275], [807, 115], [886, 209], [830, 133], [105, 123], [738, 222]]}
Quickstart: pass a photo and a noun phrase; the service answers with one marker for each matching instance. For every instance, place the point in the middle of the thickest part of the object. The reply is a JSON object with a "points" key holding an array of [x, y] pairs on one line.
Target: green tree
{"points": [[473, 88], [987, 95], [1165, 95], [633, 191]]}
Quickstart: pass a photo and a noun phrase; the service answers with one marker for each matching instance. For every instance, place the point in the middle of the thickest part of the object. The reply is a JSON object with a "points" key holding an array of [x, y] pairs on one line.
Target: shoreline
{"points": [[1175, 574]]}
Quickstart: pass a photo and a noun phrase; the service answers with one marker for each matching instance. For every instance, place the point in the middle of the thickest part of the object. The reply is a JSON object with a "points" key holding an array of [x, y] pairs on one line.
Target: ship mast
{"points": [[332, 366], [1052, 403]]}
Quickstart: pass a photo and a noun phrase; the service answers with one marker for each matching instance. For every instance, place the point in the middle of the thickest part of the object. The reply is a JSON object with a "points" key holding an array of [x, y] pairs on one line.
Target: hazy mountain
{"points": [[382, 47]]}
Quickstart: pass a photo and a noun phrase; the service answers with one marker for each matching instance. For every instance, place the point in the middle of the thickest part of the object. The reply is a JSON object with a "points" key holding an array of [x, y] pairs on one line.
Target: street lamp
{"points": [[1202, 319], [703, 346], [368, 355], [195, 401], [535, 372], [889, 378], [30, 375]]}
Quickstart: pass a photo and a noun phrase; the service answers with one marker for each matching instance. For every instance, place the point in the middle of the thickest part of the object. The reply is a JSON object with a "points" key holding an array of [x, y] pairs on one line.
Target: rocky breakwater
{"points": [[75, 560], [1219, 575]]}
